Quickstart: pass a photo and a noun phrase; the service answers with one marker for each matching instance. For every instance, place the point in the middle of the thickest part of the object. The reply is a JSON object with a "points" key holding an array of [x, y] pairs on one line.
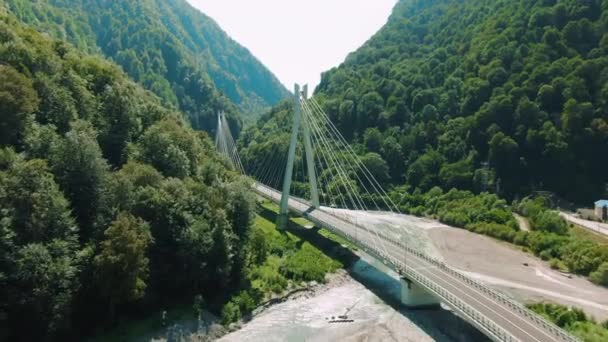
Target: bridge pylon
{"points": [[283, 218]]}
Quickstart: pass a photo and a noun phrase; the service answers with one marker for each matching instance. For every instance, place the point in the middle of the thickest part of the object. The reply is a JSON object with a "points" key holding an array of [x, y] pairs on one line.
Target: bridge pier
{"points": [[282, 220], [413, 296]]}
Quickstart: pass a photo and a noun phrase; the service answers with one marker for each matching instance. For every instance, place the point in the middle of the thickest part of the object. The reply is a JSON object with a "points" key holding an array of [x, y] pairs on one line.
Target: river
{"points": [[368, 294]]}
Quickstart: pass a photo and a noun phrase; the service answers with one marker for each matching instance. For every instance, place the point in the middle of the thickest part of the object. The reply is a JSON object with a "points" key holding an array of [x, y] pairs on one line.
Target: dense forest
{"points": [[462, 109], [114, 204], [509, 96], [109, 202], [169, 47]]}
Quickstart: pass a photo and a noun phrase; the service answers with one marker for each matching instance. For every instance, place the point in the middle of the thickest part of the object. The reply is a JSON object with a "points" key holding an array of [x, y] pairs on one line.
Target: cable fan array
{"points": [[348, 190], [346, 185], [265, 160], [343, 179], [225, 144]]}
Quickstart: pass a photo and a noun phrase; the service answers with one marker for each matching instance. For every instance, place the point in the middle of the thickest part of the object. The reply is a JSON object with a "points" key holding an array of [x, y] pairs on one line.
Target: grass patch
{"points": [[337, 238], [270, 206], [300, 221], [290, 255], [585, 234], [289, 260]]}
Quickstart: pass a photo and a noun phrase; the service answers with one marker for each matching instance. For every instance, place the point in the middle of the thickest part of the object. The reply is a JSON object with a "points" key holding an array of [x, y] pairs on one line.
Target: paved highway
{"points": [[597, 227], [495, 315]]}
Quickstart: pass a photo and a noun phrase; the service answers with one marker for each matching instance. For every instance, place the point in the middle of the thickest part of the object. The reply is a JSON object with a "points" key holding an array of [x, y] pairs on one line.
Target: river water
{"points": [[369, 295]]}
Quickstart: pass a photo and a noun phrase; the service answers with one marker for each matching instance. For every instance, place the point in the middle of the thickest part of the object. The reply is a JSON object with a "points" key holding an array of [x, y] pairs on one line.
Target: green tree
{"points": [[457, 175], [39, 251], [376, 166], [504, 156], [18, 100], [258, 247], [120, 122], [576, 117], [373, 140], [122, 265], [81, 171], [393, 154], [57, 106], [171, 149], [425, 170]]}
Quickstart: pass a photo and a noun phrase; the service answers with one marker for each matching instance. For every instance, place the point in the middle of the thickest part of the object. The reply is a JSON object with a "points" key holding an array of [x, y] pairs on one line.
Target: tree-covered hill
{"points": [[168, 46], [110, 203], [502, 95]]}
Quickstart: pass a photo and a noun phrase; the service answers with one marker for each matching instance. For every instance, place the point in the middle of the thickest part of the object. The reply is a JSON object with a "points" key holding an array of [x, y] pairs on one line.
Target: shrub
{"points": [[545, 255], [600, 276], [550, 221], [247, 300], [299, 267], [532, 207], [574, 321], [454, 219], [230, 313], [494, 230], [521, 238], [554, 264], [583, 257], [418, 211]]}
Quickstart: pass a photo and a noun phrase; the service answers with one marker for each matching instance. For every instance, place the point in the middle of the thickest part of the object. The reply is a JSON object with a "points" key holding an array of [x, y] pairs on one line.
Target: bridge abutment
{"points": [[413, 296]]}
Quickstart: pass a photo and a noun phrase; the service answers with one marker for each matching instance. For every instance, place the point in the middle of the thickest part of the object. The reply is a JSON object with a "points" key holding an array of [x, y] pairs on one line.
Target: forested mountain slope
{"points": [[168, 46], [110, 204], [450, 85]]}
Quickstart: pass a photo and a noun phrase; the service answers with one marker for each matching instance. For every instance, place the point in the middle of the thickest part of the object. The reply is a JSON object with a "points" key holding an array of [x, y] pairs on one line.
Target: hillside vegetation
{"points": [[171, 48], [460, 107], [110, 204], [503, 95], [573, 320], [550, 238]]}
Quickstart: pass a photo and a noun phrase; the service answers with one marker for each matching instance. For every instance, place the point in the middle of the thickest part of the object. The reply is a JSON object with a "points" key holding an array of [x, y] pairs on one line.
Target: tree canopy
{"points": [[110, 203], [518, 84], [169, 47]]}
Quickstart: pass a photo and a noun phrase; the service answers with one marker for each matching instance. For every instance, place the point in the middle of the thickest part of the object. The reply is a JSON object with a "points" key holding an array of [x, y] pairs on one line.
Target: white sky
{"points": [[298, 40]]}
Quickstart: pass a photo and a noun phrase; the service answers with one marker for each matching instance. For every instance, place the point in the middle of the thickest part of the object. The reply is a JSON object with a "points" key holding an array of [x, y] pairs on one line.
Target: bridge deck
{"points": [[498, 317]]}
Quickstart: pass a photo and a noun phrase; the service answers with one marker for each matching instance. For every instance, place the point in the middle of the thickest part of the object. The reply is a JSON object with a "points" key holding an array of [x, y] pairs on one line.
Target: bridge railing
{"points": [[519, 308], [476, 316], [513, 305], [554, 329]]}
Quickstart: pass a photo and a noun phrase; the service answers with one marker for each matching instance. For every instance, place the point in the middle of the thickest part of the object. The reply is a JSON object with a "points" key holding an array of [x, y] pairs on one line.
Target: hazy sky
{"points": [[297, 40]]}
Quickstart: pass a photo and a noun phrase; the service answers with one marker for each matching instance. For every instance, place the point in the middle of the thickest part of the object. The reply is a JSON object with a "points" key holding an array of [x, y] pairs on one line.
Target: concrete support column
{"points": [[413, 296], [284, 207], [310, 159]]}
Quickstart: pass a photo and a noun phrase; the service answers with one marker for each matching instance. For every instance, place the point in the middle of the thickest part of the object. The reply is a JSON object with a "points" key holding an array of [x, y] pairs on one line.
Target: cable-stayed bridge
{"points": [[315, 161]]}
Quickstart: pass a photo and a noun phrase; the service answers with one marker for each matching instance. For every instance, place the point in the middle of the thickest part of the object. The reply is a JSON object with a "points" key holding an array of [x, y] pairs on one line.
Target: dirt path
{"points": [[523, 222]]}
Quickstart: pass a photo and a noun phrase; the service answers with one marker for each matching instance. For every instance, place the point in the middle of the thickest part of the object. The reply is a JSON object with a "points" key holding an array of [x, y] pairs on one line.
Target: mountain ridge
{"points": [[170, 47], [512, 90]]}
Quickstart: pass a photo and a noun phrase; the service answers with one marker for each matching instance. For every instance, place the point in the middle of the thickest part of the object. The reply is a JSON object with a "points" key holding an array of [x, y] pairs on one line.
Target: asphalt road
{"points": [[601, 228], [496, 316]]}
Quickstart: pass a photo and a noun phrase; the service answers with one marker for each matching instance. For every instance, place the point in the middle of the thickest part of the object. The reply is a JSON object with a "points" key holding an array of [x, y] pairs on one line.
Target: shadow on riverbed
{"points": [[440, 324]]}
